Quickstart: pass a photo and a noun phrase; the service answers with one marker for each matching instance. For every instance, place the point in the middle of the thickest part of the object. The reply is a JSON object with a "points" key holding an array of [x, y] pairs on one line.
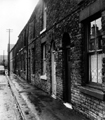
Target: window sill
{"points": [[42, 31], [95, 86], [43, 77], [93, 92]]}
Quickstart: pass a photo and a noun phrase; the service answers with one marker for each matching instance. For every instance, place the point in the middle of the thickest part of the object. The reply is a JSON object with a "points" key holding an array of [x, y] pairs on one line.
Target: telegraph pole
{"points": [[9, 31]]}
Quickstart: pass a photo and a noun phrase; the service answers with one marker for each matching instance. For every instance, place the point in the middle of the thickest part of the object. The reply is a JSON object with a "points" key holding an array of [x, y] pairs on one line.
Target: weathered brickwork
{"points": [[65, 29], [90, 106]]}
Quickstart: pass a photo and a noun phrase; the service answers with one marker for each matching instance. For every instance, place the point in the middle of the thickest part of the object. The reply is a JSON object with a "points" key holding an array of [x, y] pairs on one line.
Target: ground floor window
{"points": [[94, 49]]}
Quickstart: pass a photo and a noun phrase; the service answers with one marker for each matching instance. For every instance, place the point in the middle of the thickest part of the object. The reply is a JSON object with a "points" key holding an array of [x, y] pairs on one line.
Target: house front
{"points": [[63, 53]]}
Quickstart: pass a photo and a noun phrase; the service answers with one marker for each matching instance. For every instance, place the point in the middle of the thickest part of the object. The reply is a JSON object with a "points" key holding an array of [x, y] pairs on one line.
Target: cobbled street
{"points": [[8, 106]]}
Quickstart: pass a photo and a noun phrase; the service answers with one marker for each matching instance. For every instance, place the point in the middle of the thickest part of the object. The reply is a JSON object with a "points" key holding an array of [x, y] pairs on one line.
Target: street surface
{"points": [[35, 104], [8, 106]]}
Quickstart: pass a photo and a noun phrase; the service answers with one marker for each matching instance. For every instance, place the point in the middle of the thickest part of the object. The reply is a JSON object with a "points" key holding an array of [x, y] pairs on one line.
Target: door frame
{"points": [[53, 73]]}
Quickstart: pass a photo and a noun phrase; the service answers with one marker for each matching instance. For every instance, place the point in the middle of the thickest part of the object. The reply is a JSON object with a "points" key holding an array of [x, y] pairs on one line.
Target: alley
{"points": [[55, 63], [8, 106]]}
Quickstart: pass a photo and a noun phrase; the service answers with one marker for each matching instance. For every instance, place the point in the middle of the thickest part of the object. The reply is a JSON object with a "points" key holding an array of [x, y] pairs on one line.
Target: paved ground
{"points": [[37, 105], [8, 106]]}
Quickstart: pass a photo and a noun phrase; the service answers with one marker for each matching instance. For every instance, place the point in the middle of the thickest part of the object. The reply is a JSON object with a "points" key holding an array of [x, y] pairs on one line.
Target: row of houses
{"points": [[61, 50]]}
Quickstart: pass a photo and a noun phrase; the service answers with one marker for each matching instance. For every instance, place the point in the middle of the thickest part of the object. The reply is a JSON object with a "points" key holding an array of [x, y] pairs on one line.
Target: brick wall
{"points": [[88, 105], [93, 108]]}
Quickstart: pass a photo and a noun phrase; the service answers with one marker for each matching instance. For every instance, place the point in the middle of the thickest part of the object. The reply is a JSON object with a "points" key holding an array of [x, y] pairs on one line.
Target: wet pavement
{"points": [[40, 106], [8, 106]]}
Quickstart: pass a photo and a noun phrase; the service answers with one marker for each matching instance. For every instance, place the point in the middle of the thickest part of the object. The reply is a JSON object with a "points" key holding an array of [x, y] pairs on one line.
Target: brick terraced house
{"points": [[61, 50]]}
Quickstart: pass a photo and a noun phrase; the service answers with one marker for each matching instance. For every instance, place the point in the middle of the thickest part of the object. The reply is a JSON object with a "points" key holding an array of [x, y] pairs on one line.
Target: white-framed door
{"points": [[53, 64]]}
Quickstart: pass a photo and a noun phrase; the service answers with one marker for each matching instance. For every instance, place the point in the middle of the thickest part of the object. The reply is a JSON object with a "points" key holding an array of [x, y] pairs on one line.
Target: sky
{"points": [[14, 14]]}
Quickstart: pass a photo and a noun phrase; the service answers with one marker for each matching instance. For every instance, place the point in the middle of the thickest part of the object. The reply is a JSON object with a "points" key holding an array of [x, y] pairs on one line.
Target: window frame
{"points": [[44, 18], [24, 61], [33, 60], [86, 51], [43, 47]]}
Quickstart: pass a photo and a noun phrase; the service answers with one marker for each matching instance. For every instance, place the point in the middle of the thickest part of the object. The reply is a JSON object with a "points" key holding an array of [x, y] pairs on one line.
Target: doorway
{"points": [[53, 64], [66, 68]]}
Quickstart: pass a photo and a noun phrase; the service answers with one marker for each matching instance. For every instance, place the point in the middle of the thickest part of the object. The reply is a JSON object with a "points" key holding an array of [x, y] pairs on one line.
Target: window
{"points": [[31, 30], [94, 48], [34, 29], [43, 58], [25, 40], [24, 61], [44, 18], [33, 60], [21, 61]]}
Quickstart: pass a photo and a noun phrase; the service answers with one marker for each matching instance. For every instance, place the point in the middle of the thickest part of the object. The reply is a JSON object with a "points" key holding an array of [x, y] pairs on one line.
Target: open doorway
{"points": [[66, 68]]}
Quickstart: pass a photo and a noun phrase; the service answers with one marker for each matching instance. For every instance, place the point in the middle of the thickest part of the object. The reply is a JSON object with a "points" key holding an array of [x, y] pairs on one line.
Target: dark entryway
{"points": [[66, 68]]}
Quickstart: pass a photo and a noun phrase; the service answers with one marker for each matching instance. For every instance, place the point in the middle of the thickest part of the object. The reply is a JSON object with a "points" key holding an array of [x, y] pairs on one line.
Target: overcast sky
{"points": [[14, 14]]}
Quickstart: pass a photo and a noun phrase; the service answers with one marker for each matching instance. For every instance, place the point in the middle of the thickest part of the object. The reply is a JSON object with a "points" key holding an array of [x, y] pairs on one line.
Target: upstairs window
{"points": [[31, 30], [44, 17], [25, 37], [33, 60], [34, 29], [43, 58], [24, 61], [94, 49]]}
